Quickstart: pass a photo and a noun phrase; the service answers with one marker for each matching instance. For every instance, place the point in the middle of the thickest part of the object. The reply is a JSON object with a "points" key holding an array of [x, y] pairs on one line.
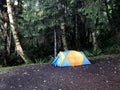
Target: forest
{"points": [[34, 31]]}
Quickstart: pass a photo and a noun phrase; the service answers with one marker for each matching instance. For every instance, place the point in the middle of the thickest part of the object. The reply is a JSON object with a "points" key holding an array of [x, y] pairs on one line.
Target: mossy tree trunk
{"points": [[14, 33]]}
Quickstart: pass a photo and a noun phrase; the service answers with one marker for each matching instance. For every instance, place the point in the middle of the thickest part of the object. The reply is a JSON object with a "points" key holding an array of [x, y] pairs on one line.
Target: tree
{"points": [[62, 12], [14, 33], [55, 25], [5, 32]]}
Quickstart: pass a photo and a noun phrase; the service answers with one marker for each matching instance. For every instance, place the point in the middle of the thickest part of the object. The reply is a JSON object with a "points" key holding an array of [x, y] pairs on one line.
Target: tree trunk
{"points": [[64, 37], [79, 20], [95, 46], [14, 33], [76, 31], [55, 43], [108, 14], [5, 49], [62, 12], [6, 33], [5, 37]]}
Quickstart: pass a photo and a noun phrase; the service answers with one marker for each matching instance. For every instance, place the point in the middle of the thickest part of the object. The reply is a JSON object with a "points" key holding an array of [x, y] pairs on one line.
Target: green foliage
{"points": [[115, 49], [38, 18], [48, 59], [39, 15], [93, 9], [91, 53], [37, 23], [40, 61], [14, 60]]}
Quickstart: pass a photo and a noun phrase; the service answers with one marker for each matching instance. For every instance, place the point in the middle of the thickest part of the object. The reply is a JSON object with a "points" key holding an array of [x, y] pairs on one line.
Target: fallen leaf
{"points": [[19, 85], [60, 89], [106, 81], [25, 73], [44, 81], [115, 71], [35, 88]]}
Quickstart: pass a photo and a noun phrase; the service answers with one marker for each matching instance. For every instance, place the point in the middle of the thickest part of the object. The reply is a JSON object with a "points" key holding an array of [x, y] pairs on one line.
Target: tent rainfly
{"points": [[70, 58]]}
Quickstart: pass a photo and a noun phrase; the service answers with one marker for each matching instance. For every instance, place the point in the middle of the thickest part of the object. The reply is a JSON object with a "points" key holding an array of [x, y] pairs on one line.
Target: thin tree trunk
{"points": [[95, 46], [55, 34], [55, 43], [5, 31], [5, 49], [64, 37], [14, 33], [76, 31], [108, 14], [78, 24]]}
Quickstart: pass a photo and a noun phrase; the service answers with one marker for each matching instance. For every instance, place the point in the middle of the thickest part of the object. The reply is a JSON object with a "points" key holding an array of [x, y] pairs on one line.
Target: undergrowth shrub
{"points": [[113, 49], [42, 60], [91, 53]]}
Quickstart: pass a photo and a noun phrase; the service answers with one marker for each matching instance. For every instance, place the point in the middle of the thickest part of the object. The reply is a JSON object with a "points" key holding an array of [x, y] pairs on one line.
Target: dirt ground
{"points": [[102, 74]]}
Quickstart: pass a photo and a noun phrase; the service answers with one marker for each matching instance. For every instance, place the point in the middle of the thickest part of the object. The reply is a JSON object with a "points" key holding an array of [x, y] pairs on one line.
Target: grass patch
{"points": [[104, 56], [4, 69]]}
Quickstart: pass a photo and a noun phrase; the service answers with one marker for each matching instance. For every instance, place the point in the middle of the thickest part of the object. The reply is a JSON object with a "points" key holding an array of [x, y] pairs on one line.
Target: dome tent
{"points": [[70, 58]]}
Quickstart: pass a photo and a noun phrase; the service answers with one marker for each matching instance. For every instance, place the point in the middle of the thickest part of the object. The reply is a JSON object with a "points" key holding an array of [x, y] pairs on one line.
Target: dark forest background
{"points": [[45, 27]]}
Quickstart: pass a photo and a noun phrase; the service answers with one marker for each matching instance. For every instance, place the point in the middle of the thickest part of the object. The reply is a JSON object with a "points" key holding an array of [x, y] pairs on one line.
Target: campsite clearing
{"points": [[102, 74]]}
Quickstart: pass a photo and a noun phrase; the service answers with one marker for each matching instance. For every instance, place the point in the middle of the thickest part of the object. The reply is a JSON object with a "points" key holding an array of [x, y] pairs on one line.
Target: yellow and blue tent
{"points": [[70, 58]]}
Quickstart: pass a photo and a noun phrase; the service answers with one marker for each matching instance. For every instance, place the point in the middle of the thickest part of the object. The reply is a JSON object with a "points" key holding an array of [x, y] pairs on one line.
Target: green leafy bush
{"points": [[112, 49], [48, 59], [91, 53]]}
